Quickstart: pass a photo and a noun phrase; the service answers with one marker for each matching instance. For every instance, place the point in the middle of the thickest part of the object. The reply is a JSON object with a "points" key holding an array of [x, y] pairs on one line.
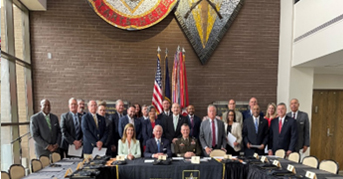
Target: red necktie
{"points": [[294, 115], [280, 125], [213, 134]]}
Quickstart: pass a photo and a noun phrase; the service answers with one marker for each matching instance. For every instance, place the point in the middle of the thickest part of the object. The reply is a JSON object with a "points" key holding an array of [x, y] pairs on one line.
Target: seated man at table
{"points": [[157, 146], [187, 146]]}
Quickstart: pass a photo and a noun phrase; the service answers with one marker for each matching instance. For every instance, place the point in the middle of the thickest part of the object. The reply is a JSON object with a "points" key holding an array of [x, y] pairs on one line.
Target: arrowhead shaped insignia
{"points": [[205, 22]]}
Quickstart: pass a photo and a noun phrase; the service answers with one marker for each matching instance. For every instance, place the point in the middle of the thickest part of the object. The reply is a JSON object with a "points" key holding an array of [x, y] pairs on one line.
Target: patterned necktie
{"points": [[256, 125], [48, 121], [77, 127], [280, 125], [158, 146], [96, 121]]}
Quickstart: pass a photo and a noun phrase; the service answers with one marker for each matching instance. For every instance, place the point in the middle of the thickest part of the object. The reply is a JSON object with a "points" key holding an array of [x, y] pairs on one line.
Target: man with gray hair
{"points": [[71, 128], [157, 146], [212, 133], [81, 107], [45, 130]]}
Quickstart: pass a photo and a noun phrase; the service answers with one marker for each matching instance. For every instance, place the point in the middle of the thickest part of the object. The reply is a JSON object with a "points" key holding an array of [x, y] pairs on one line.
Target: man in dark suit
{"points": [[255, 132], [114, 118], [94, 130], [173, 124], [166, 112], [71, 128], [81, 107], [283, 132], [194, 122], [248, 113], [130, 118], [157, 146], [45, 130], [212, 133], [303, 126]]}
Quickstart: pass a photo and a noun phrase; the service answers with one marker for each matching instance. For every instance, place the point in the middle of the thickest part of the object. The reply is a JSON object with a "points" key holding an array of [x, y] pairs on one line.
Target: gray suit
{"points": [[205, 136], [303, 130], [41, 133]]}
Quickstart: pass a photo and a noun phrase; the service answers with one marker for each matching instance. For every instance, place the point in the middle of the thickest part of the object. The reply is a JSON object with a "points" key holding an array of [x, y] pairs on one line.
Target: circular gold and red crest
{"points": [[132, 14]]}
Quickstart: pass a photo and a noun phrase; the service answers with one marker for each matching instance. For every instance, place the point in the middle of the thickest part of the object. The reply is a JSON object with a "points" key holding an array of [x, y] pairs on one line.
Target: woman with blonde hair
{"points": [[270, 113], [128, 145]]}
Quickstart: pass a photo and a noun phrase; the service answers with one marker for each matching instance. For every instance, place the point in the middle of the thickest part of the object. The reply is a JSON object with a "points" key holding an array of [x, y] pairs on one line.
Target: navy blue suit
{"points": [[250, 135], [288, 137], [195, 127], [151, 148], [147, 129], [92, 134], [125, 120], [246, 114]]}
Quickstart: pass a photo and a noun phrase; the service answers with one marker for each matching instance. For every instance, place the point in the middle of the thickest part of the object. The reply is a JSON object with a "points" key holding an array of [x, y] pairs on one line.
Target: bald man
{"points": [[45, 130], [94, 130], [248, 113], [173, 124], [303, 126]]}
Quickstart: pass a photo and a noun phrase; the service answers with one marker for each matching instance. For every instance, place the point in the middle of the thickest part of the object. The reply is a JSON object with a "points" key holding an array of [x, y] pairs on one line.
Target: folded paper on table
{"points": [[231, 139], [101, 152], [73, 152], [255, 146]]}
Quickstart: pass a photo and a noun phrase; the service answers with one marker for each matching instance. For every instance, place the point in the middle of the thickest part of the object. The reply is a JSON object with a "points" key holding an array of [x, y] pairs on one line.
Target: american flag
{"points": [[157, 95]]}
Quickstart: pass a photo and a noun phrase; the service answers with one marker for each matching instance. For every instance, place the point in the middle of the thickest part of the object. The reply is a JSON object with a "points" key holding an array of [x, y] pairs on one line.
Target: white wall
{"points": [[309, 14], [322, 81]]}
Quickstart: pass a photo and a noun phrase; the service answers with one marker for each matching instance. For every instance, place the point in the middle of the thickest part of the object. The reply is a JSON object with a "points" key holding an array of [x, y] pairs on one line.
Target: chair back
{"points": [[5, 175], [217, 153], [55, 157], [294, 157], [329, 166], [36, 165], [280, 153], [311, 161], [45, 160], [17, 171]]}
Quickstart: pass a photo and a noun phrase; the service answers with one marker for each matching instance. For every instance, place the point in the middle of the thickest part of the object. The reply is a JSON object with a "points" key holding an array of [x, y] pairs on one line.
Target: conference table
{"points": [[181, 169]]}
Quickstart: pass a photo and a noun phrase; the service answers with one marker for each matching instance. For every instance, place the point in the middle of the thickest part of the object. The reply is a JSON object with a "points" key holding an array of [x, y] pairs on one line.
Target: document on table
{"points": [[149, 161], [64, 163], [231, 138], [52, 169], [101, 152], [73, 152], [177, 158]]}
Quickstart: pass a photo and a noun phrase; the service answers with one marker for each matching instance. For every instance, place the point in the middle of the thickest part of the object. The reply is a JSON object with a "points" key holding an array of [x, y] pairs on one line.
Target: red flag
{"points": [[157, 94]]}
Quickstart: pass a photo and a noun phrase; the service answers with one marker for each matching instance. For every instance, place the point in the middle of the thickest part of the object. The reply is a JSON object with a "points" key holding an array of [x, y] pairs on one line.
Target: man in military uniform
{"points": [[187, 146]]}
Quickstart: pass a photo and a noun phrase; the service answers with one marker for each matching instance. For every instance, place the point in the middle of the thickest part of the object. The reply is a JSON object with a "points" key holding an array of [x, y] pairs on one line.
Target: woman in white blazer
{"points": [[128, 146], [236, 130]]}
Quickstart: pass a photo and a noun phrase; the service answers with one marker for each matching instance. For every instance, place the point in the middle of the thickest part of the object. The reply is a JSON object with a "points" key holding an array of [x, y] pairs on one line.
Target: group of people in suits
{"points": [[130, 134]]}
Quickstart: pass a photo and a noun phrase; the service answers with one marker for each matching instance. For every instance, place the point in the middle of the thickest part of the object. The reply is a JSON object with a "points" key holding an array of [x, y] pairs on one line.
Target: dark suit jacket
{"points": [[163, 118], [114, 137], [250, 136], [303, 130], [246, 114], [287, 139], [151, 148], [171, 133], [125, 120], [41, 133], [91, 134], [68, 130], [147, 130], [196, 127]]}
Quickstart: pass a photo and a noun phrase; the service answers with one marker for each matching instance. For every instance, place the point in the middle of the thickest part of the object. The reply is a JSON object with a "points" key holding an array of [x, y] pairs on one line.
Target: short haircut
{"points": [[80, 100], [150, 108], [132, 106], [185, 124], [118, 101], [158, 126], [282, 104], [295, 99], [43, 101], [211, 105], [71, 99]]}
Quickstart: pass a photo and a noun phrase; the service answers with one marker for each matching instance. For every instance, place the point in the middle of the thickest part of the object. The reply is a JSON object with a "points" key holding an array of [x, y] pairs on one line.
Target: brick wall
{"points": [[94, 60]]}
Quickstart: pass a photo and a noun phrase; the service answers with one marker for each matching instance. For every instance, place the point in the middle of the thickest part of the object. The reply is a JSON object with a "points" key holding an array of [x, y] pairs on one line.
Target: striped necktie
{"points": [[77, 126]]}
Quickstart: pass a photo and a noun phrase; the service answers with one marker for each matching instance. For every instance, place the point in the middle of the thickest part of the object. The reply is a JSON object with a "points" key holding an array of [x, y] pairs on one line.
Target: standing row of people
{"points": [[124, 130]]}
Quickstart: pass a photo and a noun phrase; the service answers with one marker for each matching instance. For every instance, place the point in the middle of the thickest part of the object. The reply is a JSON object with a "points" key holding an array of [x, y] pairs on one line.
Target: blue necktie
{"points": [[158, 146], [77, 127], [256, 126]]}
